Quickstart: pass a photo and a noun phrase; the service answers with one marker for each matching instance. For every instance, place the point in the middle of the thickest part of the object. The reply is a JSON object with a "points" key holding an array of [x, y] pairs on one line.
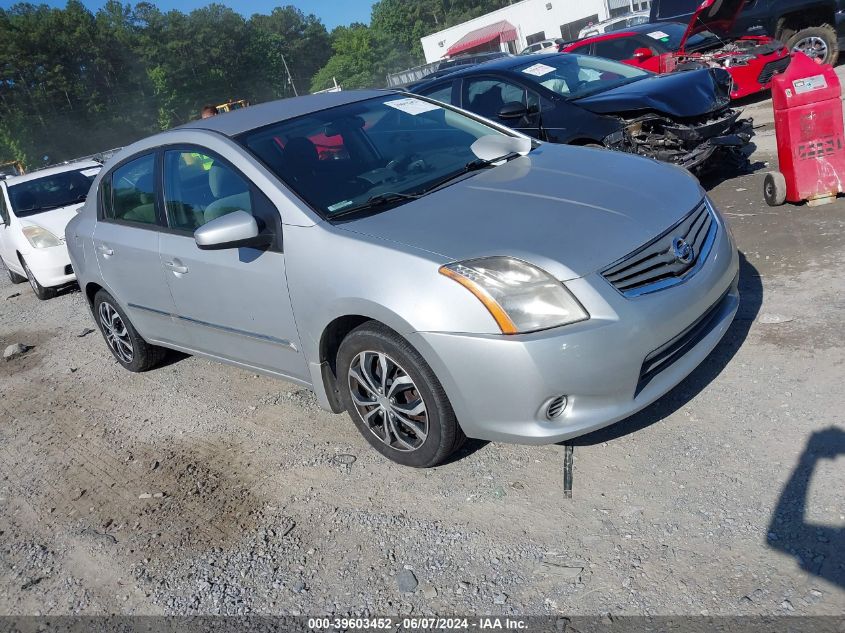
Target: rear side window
{"points": [[133, 192], [441, 93], [199, 188]]}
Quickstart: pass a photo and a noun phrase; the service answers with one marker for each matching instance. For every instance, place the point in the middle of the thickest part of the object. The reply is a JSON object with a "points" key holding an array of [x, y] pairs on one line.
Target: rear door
{"points": [[126, 242], [234, 302]]}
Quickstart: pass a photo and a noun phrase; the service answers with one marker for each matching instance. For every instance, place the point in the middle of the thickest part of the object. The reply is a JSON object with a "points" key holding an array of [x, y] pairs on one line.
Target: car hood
{"points": [[685, 94], [570, 210], [716, 16], [54, 220]]}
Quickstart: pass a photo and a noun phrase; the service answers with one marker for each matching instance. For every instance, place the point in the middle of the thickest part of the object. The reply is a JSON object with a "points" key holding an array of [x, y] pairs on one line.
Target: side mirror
{"points": [[642, 54], [233, 230], [513, 110]]}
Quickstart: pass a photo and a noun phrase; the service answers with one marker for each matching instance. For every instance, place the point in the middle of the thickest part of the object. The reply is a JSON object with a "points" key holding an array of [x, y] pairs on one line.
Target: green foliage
{"points": [[73, 82]]}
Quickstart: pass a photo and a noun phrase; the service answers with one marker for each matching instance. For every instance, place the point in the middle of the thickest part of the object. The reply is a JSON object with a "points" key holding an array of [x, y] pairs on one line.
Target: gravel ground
{"points": [[200, 488]]}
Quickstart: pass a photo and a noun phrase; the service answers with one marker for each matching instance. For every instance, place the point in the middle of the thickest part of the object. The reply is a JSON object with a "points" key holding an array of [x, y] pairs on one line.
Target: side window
{"points": [[619, 48], [4, 211], [199, 188], [487, 96], [584, 49], [440, 93], [133, 192]]}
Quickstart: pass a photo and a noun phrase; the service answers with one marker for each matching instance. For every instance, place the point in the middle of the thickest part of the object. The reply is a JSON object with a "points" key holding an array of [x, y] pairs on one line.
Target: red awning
{"points": [[502, 31]]}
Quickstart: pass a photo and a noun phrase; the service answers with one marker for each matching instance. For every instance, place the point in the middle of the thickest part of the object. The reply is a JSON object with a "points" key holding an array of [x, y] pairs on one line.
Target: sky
{"points": [[332, 12]]}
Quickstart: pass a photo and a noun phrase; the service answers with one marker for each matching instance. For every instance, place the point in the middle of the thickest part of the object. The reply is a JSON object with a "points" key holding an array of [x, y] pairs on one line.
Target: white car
{"points": [[546, 46], [614, 24], [34, 211]]}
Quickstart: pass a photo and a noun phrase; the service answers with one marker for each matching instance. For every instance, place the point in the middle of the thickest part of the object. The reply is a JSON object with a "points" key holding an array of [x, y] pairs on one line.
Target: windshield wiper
{"points": [[50, 207], [473, 165], [378, 200]]}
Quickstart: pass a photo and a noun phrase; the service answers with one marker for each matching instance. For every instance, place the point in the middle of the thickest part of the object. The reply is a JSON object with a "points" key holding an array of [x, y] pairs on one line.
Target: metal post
{"points": [[290, 79], [567, 470]]}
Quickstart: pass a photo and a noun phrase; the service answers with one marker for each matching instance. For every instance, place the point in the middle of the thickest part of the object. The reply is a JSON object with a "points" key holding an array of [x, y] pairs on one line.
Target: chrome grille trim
{"points": [[654, 266]]}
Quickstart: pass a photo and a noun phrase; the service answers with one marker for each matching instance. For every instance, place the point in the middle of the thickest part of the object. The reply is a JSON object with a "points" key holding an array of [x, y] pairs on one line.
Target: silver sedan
{"points": [[430, 272]]}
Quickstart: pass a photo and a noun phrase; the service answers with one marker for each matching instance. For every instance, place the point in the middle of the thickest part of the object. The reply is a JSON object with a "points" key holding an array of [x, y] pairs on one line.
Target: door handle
{"points": [[176, 267], [105, 250]]}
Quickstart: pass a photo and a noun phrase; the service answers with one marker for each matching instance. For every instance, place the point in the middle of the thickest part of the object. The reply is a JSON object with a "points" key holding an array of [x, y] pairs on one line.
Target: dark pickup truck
{"points": [[814, 27]]}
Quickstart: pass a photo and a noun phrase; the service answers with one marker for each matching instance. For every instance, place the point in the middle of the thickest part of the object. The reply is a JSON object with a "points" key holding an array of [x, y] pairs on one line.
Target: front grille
{"points": [[68, 270], [664, 356], [664, 261], [773, 68]]}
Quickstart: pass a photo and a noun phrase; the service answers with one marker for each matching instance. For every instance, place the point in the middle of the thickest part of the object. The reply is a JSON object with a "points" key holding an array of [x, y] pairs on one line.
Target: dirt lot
{"points": [[198, 488]]}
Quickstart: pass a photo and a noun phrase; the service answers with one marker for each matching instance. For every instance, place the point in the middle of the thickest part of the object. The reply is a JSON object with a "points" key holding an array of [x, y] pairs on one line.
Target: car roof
{"points": [[50, 171], [256, 116], [631, 30], [506, 63]]}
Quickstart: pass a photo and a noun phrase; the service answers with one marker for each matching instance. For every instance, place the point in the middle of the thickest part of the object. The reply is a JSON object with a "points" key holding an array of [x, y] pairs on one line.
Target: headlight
{"points": [[521, 297], [738, 60], [40, 237]]}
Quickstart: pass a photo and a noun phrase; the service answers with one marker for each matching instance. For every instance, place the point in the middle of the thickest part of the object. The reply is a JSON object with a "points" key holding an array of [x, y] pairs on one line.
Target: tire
{"points": [[40, 291], [774, 189], [360, 357], [122, 339], [813, 40]]}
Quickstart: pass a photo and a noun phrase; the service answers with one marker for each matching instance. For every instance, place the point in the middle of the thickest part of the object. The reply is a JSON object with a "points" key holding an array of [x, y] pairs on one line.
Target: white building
{"points": [[520, 24]]}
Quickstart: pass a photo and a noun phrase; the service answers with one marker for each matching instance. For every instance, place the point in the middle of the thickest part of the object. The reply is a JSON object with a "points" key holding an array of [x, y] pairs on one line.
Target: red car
{"points": [[666, 47]]}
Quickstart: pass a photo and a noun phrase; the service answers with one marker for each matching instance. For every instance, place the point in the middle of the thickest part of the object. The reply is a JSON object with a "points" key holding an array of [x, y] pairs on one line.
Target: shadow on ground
{"points": [[751, 298], [818, 549]]}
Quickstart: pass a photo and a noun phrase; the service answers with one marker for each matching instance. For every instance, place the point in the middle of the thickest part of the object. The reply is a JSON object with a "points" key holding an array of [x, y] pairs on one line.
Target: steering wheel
{"points": [[403, 162]]}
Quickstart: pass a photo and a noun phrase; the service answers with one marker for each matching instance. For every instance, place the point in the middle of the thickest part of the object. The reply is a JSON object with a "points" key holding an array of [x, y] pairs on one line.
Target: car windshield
{"points": [[51, 192], [670, 35], [575, 76], [393, 147]]}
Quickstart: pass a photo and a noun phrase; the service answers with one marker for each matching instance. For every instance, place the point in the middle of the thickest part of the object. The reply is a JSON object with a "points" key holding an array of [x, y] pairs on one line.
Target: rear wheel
{"points": [[774, 189], [819, 43], [40, 291], [124, 342], [394, 398]]}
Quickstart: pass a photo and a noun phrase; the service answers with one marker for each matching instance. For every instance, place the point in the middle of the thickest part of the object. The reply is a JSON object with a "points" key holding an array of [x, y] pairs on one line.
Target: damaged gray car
{"points": [[681, 118]]}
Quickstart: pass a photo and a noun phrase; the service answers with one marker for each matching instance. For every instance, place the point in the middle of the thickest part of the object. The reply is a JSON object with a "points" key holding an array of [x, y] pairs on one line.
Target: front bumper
{"points": [[688, 144], [51, 266], [500, 386]]}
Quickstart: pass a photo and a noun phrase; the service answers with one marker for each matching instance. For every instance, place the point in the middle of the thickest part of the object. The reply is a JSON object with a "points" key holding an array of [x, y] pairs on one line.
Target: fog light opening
{"points": [[556, 407]]}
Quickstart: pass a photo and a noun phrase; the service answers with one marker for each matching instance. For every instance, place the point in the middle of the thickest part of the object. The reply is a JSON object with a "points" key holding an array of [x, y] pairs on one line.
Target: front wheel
{"points": [[394, 398], [124, 342], [40, 291]]}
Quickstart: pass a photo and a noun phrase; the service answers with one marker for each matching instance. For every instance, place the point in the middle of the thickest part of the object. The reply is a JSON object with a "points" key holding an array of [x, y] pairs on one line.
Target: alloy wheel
{"points": [[388, 401], [813, 47], [114, 329]]}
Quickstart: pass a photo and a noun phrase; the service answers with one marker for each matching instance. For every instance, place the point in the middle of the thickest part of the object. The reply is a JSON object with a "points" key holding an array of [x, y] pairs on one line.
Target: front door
{"points": [[234, 302], [126, 242], [487, 95], [7, 246]]}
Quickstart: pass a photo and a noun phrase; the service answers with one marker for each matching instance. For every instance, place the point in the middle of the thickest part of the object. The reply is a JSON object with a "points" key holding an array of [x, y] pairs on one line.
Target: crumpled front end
{"points": [[689, 143]]}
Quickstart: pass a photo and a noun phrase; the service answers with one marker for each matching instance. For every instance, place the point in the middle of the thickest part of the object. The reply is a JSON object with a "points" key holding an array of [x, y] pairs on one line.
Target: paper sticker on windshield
{"points": [[90, 172], [412, 106], [808, 84], [538, 70], [339, 205], [658, 35]]}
